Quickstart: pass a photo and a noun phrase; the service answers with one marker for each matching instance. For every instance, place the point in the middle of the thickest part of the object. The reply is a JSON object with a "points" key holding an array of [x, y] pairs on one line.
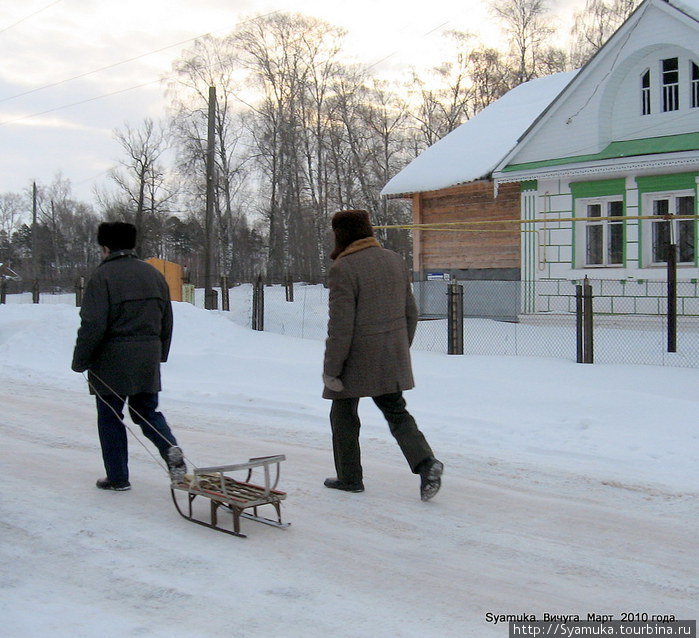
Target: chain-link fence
{"points": [[630, 319], [493, 327]]}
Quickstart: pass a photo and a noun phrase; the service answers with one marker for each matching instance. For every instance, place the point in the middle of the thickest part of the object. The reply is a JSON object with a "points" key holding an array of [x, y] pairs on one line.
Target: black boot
{"points": [[430, 478], [114, 486], [337, 484]]}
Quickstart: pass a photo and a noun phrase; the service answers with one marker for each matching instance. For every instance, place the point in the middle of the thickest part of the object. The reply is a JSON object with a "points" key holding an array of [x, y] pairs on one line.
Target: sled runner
{"points": [[231, 496]]}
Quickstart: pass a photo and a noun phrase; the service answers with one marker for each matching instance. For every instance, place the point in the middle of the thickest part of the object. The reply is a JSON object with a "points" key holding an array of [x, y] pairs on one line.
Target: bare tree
{"points": [[491, 76], [528, 28], [141, 178], [594, 25], [289, 59], [212, 62], [12, 205], [447, 100]]}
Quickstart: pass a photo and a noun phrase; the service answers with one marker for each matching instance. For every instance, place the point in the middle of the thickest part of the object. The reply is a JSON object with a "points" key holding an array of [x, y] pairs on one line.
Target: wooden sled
{"points": [[230, 495]]}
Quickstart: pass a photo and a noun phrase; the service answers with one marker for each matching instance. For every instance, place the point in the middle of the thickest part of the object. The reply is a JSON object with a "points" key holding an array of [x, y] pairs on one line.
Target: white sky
{"points": [[48, 41]]}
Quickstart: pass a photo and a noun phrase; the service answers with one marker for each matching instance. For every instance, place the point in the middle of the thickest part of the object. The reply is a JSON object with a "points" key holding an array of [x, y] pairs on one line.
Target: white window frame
{"points": [[675, 225], [693, 84], [582, 207], [669, 91], [646, 104]]}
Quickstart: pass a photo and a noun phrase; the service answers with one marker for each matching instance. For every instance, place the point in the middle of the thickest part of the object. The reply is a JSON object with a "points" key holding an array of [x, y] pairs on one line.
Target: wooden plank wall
{"points": [[440, 250]]}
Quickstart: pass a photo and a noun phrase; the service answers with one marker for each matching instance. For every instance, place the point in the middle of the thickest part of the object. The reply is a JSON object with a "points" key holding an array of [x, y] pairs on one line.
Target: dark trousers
{"points": [[345, 424], [112, 431]]}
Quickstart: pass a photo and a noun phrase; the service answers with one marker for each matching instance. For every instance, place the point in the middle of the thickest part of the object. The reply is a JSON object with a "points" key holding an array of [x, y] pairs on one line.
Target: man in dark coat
{"points": [[372, 323], [125, 333]]}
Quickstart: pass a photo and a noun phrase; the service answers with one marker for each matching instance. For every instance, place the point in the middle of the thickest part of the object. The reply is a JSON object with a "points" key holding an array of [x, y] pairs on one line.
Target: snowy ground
{"points": [[568, 489]]}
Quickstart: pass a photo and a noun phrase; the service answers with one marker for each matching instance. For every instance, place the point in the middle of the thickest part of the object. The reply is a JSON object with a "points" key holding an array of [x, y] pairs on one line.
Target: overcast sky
{"points": [[68, 127]]}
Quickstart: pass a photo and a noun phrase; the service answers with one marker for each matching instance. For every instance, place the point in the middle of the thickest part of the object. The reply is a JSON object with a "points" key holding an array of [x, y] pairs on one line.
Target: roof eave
{"points": [[409, 194], [623, 166]]}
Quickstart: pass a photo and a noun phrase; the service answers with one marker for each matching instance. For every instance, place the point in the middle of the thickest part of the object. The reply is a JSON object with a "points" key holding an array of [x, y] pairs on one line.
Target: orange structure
{"points": [[173, 274]]}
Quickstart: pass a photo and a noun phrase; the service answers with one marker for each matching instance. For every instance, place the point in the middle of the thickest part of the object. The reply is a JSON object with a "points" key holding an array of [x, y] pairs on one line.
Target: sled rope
{"points": [[130, 430]]}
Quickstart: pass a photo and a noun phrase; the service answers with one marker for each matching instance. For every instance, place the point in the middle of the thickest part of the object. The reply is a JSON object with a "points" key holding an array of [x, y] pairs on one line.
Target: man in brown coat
{"points": [[372, 322]]}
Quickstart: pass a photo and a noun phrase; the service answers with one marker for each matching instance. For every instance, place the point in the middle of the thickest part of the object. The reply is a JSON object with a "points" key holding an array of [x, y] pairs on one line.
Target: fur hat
{"points": [[349, 226], [116, 235]]}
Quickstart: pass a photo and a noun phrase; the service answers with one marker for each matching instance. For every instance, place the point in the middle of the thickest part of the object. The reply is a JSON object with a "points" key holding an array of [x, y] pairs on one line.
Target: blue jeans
{"points": [[112, 431]]}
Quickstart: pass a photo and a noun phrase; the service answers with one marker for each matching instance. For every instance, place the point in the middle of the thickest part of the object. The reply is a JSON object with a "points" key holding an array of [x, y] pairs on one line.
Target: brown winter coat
{"points": [[126, 326], [372, 322]]}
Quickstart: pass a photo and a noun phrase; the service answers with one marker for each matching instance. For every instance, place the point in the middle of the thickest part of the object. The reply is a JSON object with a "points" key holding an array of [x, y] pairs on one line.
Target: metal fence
{"points": [[56, 291], [490, 327]]}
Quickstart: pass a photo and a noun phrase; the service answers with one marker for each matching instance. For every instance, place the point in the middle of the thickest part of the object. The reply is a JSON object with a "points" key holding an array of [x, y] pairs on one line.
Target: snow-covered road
{"points": [[500, 538], [568, 489]]}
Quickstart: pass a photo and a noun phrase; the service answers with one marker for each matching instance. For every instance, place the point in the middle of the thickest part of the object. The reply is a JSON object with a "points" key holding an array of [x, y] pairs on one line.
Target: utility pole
{"points": [[672, 297], [210, 298], [35, 243]]}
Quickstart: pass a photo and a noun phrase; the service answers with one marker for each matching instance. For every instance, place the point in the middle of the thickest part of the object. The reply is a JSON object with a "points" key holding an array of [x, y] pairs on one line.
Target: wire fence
{"points": [[55, 291], [492, 323], [493, 326]]}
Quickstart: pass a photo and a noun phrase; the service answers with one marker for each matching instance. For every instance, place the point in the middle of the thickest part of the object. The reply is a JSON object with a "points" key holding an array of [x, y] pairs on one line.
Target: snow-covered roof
{"points": [[475, 148]]}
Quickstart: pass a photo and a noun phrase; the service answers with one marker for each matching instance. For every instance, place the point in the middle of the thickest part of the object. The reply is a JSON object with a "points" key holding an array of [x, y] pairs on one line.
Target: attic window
{"points": [[671, 84], [695, 86], [645, 93]]}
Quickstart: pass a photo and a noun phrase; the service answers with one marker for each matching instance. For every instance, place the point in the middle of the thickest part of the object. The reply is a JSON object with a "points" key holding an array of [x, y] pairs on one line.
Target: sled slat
{"points": [[233, 495]]}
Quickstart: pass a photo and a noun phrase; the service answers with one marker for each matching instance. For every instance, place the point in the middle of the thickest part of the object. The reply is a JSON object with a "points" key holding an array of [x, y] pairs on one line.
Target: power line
{"points": [[24, 117], [104, 68], [66, 106], [31, 15], [424, 35], [115, 64]]}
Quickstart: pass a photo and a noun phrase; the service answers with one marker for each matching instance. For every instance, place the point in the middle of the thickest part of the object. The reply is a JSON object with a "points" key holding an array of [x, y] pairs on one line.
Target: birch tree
{"points": [[529, 29], [212, 62], [594, 25], [140, 176]]}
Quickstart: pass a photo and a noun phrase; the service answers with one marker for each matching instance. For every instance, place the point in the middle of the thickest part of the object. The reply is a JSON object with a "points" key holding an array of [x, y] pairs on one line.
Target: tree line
{"points": [[300, 133]]}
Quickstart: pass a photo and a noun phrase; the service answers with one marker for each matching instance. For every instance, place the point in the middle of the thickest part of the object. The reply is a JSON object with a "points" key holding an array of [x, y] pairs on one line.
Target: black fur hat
{"points": [[116, 235], [349, 226]]}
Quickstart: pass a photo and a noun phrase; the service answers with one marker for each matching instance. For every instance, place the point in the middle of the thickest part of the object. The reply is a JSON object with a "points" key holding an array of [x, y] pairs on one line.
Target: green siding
{"points": [[672, 182], [598, 188], [528, 185], [616, 150]]}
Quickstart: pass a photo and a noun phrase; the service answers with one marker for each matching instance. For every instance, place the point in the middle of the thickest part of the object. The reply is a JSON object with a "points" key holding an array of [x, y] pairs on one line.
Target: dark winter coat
{"points": [[126, 326], [372, 322]]}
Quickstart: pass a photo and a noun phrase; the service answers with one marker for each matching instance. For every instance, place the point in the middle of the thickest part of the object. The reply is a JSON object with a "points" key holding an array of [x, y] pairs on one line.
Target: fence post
{"points": [[579, 341], [79, 291], [35, 291], [289, 284], [258, 305], [210, 299], [225, 297], [3, 291], [588, 324], [672, 298], [455, 318]]}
